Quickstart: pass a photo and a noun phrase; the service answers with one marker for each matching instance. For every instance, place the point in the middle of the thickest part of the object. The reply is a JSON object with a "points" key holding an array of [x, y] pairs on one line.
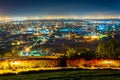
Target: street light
{"points": [[27, 49]]}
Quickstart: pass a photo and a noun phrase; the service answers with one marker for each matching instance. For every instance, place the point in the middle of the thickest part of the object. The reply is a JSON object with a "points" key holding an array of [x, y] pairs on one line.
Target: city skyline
{"points": [[59, 8]]}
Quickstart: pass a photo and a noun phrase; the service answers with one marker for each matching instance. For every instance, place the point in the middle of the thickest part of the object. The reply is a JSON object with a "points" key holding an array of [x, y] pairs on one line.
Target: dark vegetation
{"points": [[71, 57], [104, 50], [108, 49]]}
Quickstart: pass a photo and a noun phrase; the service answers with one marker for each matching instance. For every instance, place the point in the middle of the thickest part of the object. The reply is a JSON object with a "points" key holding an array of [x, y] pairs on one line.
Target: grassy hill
{"points": [[65, 75]]}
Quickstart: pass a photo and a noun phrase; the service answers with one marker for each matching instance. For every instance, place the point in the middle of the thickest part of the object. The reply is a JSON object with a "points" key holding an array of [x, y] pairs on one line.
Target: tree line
{"points": [[105, 50]]}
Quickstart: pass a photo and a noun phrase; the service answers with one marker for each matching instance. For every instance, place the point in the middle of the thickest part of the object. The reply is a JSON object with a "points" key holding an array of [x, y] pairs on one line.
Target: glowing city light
{"points": [[27, 49], [15, 63], [94, 37], [108, 62]]}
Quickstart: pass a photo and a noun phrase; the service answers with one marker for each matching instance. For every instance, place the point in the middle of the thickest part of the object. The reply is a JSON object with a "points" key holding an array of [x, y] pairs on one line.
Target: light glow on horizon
{"points": [[7, 19]]}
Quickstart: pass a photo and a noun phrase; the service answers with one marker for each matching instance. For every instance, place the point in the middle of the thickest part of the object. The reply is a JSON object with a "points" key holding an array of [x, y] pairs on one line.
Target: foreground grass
{"points": [[66, 75]]}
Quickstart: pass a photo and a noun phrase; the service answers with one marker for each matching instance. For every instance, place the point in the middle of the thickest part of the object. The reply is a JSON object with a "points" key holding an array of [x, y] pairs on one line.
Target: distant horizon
{"points": [[5, 18]]}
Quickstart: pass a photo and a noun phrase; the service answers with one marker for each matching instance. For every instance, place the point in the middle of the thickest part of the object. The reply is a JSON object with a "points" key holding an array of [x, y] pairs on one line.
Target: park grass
{"points": [[65, 75]]}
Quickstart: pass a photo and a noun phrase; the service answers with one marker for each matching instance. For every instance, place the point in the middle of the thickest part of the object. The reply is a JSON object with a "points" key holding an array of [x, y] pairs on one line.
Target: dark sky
{"points": [[59, 7]]}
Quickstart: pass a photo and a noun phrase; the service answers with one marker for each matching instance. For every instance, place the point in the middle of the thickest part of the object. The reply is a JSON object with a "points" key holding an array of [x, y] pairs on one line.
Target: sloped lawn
{"points": [[65, 75]]}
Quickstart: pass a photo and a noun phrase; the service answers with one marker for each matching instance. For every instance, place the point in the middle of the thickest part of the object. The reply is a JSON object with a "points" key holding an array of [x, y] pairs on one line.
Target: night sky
{"points": [[59, 7]]}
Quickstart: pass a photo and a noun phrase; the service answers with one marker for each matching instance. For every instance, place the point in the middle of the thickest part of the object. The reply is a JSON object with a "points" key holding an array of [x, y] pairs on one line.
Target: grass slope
{"points": [[66, 75]]}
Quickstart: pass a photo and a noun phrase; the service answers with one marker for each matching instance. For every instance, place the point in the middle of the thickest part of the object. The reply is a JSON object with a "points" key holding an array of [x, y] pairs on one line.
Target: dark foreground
{"points": [[65, 75]]}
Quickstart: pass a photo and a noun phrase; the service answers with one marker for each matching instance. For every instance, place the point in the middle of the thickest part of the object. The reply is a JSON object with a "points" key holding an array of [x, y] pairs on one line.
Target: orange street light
{"points": [[27, 49]]}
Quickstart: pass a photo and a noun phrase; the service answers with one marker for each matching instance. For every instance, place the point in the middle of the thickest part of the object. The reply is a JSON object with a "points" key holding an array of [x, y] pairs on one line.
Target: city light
{"points": [[95, 37], [9, 19], [27, 49], [108, 62], [15, 63]]}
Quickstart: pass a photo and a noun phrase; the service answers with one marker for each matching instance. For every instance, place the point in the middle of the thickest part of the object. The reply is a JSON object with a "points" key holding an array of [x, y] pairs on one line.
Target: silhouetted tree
{"points": [[71, 53], [12, 53], [110, 49], [88, 54]]}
